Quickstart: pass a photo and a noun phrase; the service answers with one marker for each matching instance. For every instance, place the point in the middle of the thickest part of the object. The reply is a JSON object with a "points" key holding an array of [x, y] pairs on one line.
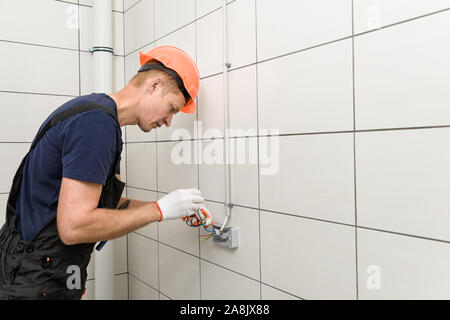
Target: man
{"points": [[66, 192]]}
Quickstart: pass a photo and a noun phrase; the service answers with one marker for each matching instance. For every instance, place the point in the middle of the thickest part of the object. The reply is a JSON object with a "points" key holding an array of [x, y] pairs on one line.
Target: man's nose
{"points": [[168, 120]]}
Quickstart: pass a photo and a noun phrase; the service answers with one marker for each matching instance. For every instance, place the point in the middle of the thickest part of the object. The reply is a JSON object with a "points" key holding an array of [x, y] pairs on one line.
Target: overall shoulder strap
{"points": [[54, 120], [70, 113]]}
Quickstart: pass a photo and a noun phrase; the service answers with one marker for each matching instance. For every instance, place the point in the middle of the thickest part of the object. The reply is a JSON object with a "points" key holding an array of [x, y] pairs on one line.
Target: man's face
{"points": [[158, 110]]}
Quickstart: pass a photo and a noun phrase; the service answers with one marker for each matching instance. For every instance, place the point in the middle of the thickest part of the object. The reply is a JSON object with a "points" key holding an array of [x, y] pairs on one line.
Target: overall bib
{"points": [[44, 267]]}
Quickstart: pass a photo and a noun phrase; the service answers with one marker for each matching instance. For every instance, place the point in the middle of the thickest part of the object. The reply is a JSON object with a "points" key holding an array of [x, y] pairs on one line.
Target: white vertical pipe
{"points": [[226, 65], [103, 82]]}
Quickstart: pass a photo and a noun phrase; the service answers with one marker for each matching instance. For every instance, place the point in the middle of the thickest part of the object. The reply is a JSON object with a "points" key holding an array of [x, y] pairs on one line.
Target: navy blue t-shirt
{"points": [[82, 147]]}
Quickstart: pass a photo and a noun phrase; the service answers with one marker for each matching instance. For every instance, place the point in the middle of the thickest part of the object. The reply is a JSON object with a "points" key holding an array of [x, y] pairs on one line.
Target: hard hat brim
{"points": [[189, 107]]}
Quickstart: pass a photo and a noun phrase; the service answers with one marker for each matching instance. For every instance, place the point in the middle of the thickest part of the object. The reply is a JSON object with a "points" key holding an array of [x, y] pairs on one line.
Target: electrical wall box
{"points": [[228, 238]]}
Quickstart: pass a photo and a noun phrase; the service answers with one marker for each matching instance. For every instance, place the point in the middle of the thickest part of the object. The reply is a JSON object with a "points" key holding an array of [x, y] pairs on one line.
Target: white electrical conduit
{"points": [[226, 65], [103, 82]]}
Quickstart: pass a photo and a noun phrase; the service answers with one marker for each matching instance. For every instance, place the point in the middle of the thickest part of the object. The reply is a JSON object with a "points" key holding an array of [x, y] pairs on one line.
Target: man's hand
{"points": [[179, 203]]}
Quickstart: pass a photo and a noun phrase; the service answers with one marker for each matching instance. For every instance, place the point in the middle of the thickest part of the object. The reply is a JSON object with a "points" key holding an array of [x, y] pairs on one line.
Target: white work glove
{"points": [[179, 203]]}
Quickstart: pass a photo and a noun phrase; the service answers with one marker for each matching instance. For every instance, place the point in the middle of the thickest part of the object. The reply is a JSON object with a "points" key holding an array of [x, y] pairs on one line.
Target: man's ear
{"points": [[153, 84]]}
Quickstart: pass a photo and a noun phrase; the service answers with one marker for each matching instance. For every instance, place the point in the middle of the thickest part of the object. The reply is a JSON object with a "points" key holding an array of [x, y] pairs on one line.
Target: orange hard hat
{"points": [[180, 66]]}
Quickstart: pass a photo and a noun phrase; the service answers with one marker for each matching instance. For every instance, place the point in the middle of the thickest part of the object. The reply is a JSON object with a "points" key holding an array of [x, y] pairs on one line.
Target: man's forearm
{"points": [[133, 203], [106, 224]]}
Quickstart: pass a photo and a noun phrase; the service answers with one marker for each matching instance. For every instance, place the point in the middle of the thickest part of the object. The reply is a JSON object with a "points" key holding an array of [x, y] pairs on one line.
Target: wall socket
{"points": [[229, 237]]}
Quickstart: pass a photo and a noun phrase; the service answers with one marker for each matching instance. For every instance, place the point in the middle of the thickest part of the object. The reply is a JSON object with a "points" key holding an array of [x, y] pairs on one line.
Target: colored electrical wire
{"points": [[199, 218], [207, 237], [207, 229]]}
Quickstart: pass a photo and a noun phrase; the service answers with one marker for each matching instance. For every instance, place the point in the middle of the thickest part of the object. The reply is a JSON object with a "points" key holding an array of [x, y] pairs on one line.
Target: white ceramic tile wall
{"points": [[57, 74], [120, 288], [305, 23], [314, 94], [243, 102], [374, 14], [270, 293], [392, 266], [174, 265], [414, 56], [243, 173], [143, 266], [140, 290], [320, 262], [317, 183], [129, 3], [12, 155], [117, 5], [204, 7], [403, 181], [44, 65], [141, 170], [139, 26], [348, 194], [19, 17], [210, 44], [221, 284], [172, 14], [3, 201], [31, 109], [173, 176]]}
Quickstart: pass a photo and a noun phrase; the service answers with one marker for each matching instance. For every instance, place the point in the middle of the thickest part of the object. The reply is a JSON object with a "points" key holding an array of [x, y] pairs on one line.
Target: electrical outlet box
{"points": [[228, 238]]}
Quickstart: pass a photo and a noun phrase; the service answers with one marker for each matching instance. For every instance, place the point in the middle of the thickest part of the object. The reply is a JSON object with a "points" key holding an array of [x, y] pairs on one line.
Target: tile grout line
{"points": [[405, 234], [296, 51], [211, 262], [177, 29], [50, 46], [195, 256], [354, 153], [240, 274], [39, 93], [321, 220], [40, 45], [237, 272], [156, 165], [286, 292], [293, 52], [198, 165], [257, 148], [283, 135], [84, 5], [305, 133], [300, 50], [402, 22], [149, 285], [131, 6]]}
